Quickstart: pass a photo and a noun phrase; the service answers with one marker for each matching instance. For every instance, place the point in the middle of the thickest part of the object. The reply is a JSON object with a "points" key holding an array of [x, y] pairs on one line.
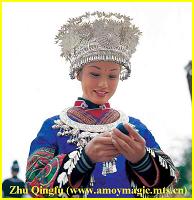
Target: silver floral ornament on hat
{"points": [[98, 36]]}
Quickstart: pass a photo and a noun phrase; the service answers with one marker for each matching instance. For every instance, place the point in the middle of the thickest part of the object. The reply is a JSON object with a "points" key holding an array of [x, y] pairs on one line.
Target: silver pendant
{"points": [[92, 181], [109, 167]]}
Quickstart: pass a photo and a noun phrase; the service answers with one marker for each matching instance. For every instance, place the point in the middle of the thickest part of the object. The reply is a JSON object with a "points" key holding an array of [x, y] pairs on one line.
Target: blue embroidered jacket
{"points": [[52, 164]]}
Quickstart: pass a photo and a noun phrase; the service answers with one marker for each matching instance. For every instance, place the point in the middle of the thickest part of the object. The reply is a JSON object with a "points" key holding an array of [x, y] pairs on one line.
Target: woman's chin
{"points": [[97, 100], [100, 101]]}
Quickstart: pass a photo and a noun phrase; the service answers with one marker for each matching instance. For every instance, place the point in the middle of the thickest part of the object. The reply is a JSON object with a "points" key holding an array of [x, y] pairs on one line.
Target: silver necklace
{"points": [[80, 134], [92, 128]]}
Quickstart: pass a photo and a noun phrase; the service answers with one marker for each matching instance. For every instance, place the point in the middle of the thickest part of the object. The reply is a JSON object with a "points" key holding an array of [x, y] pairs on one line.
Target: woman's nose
{"points": [[103, 83]]}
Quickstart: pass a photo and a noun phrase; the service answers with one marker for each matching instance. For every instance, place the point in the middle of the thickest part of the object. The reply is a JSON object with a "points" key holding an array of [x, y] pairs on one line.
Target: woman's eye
{"points": [[112, 76], [94, 74]]}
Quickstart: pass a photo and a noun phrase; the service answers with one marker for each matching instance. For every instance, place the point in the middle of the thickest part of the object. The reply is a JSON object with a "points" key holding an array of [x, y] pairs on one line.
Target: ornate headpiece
{"points": [[98, 36]]}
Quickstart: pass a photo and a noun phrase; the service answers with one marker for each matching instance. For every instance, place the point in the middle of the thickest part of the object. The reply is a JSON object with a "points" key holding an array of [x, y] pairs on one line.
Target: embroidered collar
{"points": [[87, 104], [75, 126]]}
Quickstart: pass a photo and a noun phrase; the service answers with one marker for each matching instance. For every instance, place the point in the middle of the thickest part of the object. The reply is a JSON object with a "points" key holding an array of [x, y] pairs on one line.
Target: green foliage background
{"points": [[185, 170]]}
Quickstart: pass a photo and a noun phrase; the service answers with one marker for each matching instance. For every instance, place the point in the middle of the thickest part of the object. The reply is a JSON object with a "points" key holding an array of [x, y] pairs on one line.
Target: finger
{"points": [[104, 140], [122, 146], [111, 153], [130, 129], [107, 147], [117, 146], [105, 134], [134, 133], [119, 134], [134, 145]]}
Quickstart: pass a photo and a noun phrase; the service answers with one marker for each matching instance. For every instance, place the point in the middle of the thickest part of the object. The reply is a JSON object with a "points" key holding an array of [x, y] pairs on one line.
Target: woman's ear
{"points": [[79, 76]]}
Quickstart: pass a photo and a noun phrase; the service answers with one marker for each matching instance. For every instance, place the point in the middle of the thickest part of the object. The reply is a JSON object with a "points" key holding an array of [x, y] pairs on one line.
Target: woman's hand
{"points": [[101, 148], [131, 146]]}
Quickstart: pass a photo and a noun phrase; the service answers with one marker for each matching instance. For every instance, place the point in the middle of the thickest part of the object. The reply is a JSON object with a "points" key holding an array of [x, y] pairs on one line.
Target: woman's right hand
{"points": [[101, 149]]}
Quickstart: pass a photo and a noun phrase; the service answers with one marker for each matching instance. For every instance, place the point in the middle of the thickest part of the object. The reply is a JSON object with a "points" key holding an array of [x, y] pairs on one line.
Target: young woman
{"points": [[91, 149]]}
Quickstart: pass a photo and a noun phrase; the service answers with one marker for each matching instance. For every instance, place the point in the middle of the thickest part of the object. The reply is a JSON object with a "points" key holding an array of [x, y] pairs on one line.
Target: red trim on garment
{"points": [[145, 182], [78, 103]]}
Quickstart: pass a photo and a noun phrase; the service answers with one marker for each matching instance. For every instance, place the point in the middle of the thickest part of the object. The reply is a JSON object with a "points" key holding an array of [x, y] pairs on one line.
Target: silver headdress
{"points": [[98, 36]]}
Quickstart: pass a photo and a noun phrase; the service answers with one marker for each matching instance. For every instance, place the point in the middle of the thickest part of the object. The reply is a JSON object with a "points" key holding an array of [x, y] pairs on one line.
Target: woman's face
{"points": [[99, 80]]}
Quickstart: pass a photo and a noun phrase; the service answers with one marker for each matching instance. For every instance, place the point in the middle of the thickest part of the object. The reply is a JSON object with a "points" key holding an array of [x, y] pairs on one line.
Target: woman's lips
{"points": [[101, 93]]}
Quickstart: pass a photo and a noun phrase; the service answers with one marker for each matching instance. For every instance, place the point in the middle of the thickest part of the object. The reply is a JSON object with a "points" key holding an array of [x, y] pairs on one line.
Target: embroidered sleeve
{"points": [[162, 174], [47, 170], [83, 167], [62, 171], [42, 170], [75, 172], [144, 168], [156, 169]]}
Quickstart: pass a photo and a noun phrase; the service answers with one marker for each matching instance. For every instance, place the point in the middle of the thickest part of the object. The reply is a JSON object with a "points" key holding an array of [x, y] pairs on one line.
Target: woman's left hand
{"points": [[131, 146]]}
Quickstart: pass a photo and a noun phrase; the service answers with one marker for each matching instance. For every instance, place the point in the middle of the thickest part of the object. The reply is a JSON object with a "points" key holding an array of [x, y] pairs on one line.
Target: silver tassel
{"points": [[109, 167], [92, 181]]}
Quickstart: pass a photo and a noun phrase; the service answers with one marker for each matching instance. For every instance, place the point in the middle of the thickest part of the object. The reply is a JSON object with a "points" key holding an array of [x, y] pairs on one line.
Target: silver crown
{"points": [[98, 36]]}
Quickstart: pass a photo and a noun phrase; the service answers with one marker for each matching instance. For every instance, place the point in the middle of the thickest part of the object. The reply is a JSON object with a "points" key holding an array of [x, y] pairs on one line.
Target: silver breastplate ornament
{"points": [[80, 134]]}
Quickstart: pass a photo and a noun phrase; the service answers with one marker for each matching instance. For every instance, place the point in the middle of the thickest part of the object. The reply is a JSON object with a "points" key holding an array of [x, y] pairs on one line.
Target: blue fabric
{"points": [[47, 137], [145, 133]]}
